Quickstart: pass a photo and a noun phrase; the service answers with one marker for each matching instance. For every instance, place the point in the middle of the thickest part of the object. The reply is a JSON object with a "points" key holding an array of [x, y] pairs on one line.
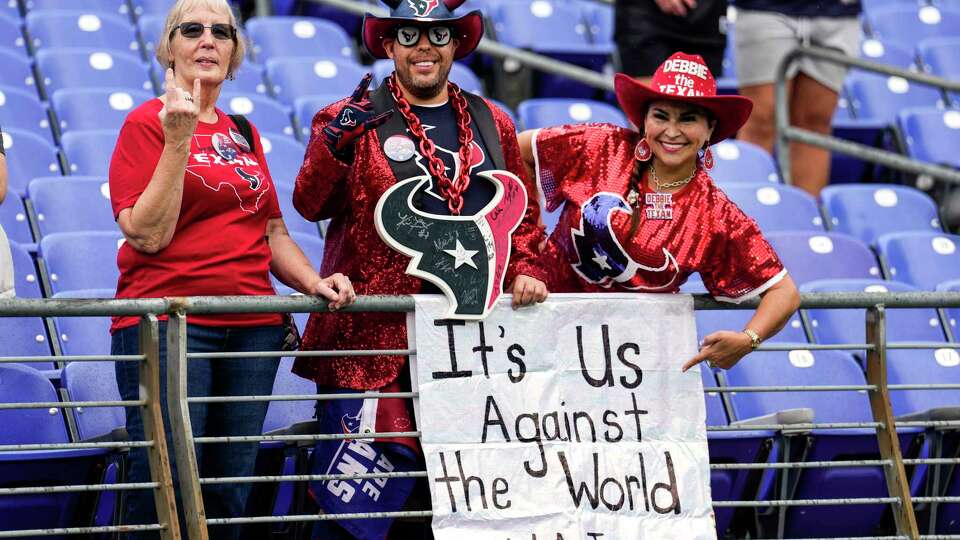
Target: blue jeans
{"points": [[218, 377]]}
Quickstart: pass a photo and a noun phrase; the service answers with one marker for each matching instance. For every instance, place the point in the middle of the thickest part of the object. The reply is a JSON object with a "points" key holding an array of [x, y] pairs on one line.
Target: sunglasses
{"points": [[408, 36], [193, 30]]}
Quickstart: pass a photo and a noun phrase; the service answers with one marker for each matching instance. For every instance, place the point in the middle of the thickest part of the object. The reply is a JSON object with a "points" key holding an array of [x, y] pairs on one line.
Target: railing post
{"points": [[181, 428], [152, 415], [898, 485]]}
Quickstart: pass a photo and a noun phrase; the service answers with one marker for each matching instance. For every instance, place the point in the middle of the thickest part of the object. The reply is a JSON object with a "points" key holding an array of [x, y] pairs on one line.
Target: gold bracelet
{"points": [[754, 338]]}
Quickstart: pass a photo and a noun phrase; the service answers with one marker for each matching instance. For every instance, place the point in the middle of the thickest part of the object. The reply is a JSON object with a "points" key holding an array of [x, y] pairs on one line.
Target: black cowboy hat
{"points": [[467, 29]]}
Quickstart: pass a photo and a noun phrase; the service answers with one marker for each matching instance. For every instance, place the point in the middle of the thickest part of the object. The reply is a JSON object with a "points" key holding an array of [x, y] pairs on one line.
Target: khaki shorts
{"points": [[763, 38]]}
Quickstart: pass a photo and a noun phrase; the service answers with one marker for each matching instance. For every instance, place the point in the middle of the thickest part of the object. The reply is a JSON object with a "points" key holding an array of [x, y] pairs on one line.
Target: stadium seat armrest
{"points": [[784, 417]]}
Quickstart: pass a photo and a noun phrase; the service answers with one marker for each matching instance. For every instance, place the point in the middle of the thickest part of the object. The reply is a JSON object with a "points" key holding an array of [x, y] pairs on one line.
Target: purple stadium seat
{"points": [[906, 25], [52, 29], [17, 70], [21, 108], [931, 135], [88, 152], [867, 211], [879, 98], [84, 335], [809, 256], [72, 204], [306, 107], [546, 112], [267, 114], [81, 260], [28, 156], [739, 162], [79, 68], [811, 368], [113, 7], [20, 384], [13, 219], [922, 259], [777, 207], [95, 108], [11, 34], [279, 36], [295, 77], [284, 157]]}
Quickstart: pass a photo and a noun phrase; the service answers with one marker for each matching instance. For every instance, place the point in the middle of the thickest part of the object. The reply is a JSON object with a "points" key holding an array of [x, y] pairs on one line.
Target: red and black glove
{"points": [[355, 119]]}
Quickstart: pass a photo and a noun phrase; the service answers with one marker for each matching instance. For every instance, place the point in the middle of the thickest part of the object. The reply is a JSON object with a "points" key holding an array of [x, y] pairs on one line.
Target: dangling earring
{"points": [[231, 76], [642, 151], [706, 158]]}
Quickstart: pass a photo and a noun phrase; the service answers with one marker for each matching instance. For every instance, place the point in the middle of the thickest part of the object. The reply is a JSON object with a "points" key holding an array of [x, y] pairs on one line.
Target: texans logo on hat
{"points": [[467, 29]]}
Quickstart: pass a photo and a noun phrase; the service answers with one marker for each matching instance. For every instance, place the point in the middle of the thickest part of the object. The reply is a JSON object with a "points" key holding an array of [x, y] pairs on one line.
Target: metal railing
{"points": [[787, 133], [876, 347]]}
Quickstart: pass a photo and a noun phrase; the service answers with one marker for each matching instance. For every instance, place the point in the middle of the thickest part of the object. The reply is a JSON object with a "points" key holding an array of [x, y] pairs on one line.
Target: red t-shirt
{"points": [[219, 246]]}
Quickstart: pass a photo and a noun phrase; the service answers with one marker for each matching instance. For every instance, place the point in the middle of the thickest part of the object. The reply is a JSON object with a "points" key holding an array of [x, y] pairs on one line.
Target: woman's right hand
{"points": [[180, 113]]}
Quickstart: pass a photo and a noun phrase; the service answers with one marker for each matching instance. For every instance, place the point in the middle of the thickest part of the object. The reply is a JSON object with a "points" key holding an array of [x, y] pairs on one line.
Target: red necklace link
{"points": [[451, 190]]}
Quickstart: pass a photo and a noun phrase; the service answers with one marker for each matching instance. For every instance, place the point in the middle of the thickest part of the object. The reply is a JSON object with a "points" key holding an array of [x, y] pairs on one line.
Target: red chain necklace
{"points": [[451, 190]]}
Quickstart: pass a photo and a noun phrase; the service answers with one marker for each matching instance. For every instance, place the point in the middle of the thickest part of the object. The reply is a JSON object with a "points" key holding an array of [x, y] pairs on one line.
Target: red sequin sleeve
{"points": [[321, 189], [743, 264], [564, 155], [525, 254]]}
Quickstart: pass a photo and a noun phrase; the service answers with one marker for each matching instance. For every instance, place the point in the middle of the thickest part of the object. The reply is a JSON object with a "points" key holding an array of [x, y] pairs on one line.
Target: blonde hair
{"points": [[164, 52]]}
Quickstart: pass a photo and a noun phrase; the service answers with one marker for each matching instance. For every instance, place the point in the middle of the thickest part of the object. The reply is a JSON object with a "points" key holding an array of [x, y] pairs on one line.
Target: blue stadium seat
{"points": [[20, 384], [278, 36], [295, 77], [730, 447], [809, 256], [95, 108], [554, 28], [922, 259], [952, 315], [887, 53], [879, 98], [10, 8], [11, 34], [113, 7], [17, 70], [88, 152], [248, 79], [867, 211], [600, 21], [28, 156], [546, 112], [25, 277], [22, 109], [293, 220], [81, 260], [13, 219], [150, 27], [813, 368], [265, 113], [84, 335], [709, 321], [777, 207], [25, 336], [72, 203], [938, 57], [460, 74], [931, 135], [742, 163], [848, 325], [906, 25], [284, 157], [78, 68], [151, 7], [94, 381], [306, 107], [69, 28]]}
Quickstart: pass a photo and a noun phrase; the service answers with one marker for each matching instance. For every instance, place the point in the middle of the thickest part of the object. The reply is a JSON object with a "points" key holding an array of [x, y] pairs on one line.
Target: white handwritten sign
{"points": [[568, 420]]}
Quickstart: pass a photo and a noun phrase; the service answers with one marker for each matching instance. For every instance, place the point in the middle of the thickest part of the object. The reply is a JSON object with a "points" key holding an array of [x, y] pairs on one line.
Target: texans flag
{"points": [[361, 456]]}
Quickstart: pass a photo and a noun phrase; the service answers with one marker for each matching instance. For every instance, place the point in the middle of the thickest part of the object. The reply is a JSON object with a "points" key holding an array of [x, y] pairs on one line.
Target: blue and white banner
{"points": [[570, 419]]}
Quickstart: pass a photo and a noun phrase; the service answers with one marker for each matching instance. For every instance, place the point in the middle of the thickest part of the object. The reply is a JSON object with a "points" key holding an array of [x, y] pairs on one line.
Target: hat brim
{"points": [[730, 112], [468, 31]]}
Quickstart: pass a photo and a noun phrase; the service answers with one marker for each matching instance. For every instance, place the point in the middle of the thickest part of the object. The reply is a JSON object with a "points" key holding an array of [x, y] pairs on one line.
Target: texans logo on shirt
{"points": [[464, 256], [350, 423], [477, 158], [222, 168], [422, 8], [603, 260]]}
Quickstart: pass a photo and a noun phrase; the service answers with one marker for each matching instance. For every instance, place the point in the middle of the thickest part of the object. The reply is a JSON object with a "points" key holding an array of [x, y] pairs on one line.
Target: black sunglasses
{"points": [[193, 30], [409, 36]]}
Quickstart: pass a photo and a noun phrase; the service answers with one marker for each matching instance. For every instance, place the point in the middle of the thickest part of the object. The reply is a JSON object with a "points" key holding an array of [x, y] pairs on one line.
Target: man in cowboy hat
{"points": [[415, 125]]}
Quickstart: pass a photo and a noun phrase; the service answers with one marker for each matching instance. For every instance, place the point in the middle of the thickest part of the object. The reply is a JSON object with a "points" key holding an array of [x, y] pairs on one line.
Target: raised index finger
{"points": [[361, 89]]}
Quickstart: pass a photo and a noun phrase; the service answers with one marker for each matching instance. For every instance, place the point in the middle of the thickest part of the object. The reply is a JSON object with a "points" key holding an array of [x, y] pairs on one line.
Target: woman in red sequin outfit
{"points": [[640, 212]]}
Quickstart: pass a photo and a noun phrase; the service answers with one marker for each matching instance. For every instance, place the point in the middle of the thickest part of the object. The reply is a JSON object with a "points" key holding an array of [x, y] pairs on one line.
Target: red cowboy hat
{"points": [[467, 30], [686, 78]]}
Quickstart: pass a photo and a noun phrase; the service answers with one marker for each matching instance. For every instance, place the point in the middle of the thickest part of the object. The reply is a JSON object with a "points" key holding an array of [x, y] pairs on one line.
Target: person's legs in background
{"points": [[811, 108]]}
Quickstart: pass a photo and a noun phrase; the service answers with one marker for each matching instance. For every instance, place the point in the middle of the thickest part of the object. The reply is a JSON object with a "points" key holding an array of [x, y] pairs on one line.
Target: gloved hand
{"points": [[353, 121]]}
